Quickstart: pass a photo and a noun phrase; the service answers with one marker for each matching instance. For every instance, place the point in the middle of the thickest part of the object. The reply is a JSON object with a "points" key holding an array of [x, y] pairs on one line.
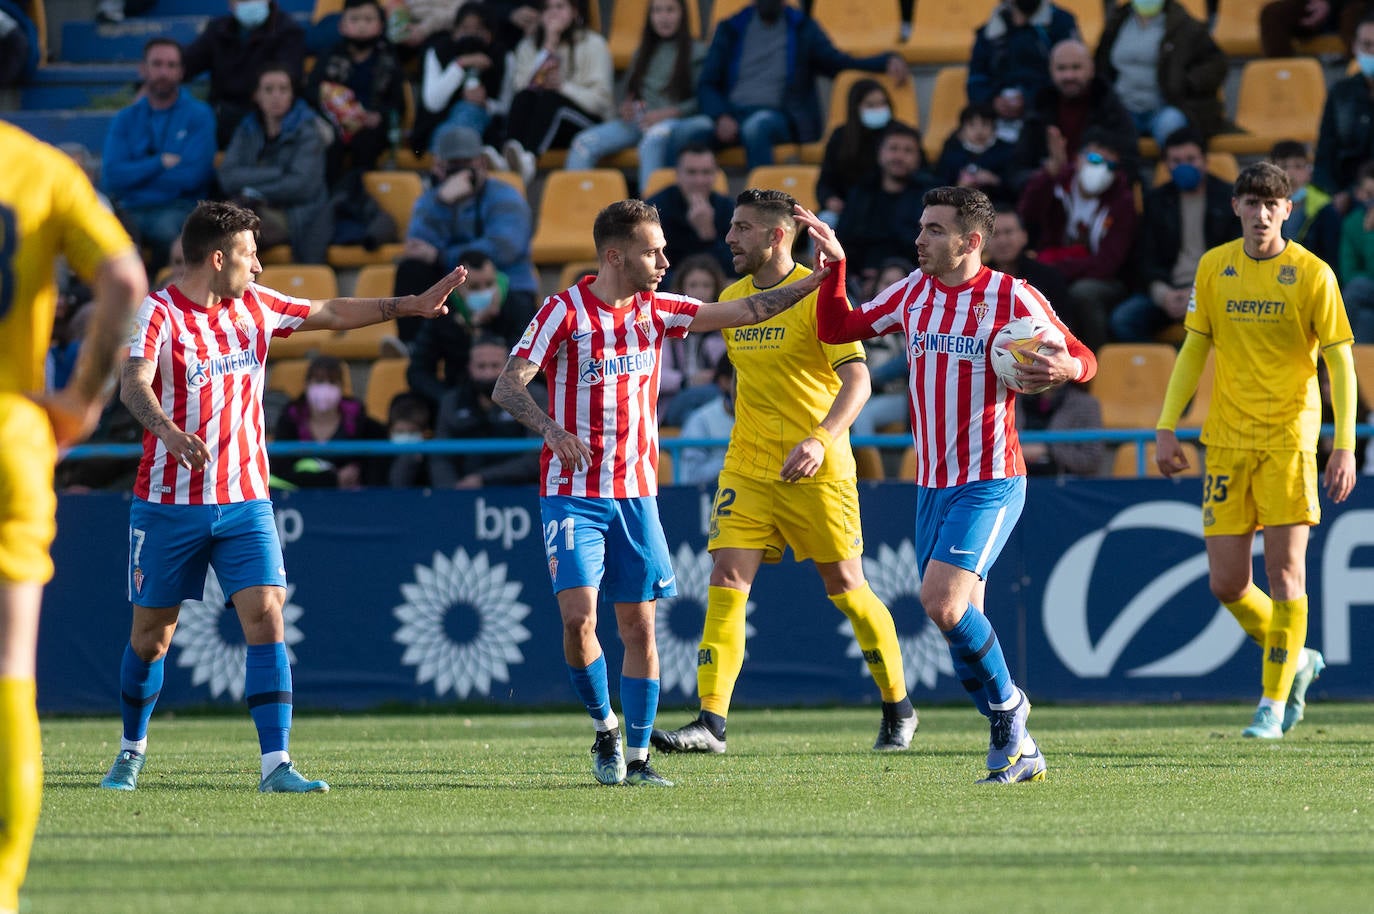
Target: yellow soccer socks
{"points": [[877, 637], [21, 784], [1254, 611], [1283, 647], [720, 656]]}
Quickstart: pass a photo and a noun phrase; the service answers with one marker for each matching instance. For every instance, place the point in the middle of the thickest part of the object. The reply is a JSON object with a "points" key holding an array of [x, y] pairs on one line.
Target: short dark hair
{"points": [[1101, 136], [473, 259], [696, 147], [618, 222], [212, 226], [408, 407], [489, 339], [1288, 149], [983, 111], [163, 39], [1264, 180], [478, 8], [972, 208], [1184, 136], [897, 128], [776, 205]]}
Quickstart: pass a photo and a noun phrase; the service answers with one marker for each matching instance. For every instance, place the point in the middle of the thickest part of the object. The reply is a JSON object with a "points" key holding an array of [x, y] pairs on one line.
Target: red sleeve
{"points": [[835, 321]]}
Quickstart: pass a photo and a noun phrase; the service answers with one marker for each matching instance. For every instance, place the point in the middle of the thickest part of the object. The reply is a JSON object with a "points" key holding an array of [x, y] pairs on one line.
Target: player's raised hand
{"points": [[1339, 477], [1169, 457], [828, 248], [431, 302], [573, 453]]}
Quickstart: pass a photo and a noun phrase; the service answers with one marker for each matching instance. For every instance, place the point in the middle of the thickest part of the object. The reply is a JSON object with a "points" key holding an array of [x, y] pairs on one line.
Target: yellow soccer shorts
{"points": [[1244, 490], [28, 507], [819, 520]]}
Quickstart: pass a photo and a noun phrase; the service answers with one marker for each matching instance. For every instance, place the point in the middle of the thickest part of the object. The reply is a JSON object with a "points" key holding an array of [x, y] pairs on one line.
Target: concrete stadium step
{"points": [[64, 85], [85, 127], [92, 42]]}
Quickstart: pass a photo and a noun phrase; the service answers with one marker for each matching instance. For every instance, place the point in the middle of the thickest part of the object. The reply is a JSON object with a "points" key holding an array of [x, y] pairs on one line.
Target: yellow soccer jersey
{"points": [[1267, 320], [47, 207], [786, 385]]}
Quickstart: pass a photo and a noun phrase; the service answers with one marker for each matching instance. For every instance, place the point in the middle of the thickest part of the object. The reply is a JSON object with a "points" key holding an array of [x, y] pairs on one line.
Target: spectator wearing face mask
{"points": [[1357, 256], [1081, 219], [323, 413], [1010, 59], [851, 152], [235, 48], [1314, 222], [409, 420], [1183, 218], [974, 156], [1344, 140]]}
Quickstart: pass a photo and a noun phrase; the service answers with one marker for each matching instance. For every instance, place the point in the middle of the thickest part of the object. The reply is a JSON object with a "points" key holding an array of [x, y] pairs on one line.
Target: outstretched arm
{"points": [[836, 322], [757, 308], [348, 313], [512, 394]]}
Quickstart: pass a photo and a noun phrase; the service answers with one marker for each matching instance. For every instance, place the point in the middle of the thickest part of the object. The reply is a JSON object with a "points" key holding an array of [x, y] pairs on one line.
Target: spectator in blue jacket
{"points": [[463, 211], [159, 156], [758, 83], [1011, 55]]}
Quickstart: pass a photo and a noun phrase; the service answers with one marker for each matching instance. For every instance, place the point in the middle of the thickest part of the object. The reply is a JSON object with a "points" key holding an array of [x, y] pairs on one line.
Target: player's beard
{"points": [[751, 262]]}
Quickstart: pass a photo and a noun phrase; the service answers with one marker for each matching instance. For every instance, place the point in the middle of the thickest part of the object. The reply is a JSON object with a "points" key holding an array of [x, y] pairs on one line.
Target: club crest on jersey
{"points": [[980, 311], [1288, 274], [138, 580], [553, 568]]}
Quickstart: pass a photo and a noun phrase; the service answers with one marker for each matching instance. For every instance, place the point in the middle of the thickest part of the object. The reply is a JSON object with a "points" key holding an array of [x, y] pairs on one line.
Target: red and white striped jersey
{"points": [[602, 368], [209, 378], [963, 417]]}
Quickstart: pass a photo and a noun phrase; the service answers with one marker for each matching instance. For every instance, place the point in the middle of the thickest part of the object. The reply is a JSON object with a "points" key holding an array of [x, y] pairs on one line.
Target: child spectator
{"points": [[974, 156], [409, 420], [461, 76], [1357, 257]]}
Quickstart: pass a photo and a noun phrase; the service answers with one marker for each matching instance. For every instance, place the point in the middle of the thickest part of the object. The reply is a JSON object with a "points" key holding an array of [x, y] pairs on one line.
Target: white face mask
{"points": [[252, 13], [406, 437], [1094, 178], [875, 118], [479, 299]]}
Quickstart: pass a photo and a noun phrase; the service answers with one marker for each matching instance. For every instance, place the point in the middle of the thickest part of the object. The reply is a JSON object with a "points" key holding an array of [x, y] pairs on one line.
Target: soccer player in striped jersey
{"points": [[789, 480], [599, 345], [1268, 307], [194, 379], [970, 474], [47, 208]]}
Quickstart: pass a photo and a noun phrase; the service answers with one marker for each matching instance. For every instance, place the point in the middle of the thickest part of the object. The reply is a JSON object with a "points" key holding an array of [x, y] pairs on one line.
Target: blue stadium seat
{"points": [[63, 85], [86, 41], [85, 127]]}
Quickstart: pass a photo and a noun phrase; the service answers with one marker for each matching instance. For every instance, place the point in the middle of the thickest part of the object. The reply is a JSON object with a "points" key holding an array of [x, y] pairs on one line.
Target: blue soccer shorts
{"points": [[967, 525], [613, 544], [171, 546]]}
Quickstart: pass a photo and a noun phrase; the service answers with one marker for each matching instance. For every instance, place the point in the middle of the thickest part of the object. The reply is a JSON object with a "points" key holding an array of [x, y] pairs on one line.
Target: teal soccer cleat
{"points": [[286, 779], [123, 774], [1265, 725], [639, 773], [608, 762], [1297, 696]]}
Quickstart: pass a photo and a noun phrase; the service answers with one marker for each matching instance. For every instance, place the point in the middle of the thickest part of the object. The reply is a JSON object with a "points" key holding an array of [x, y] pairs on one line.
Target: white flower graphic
{"points": [[677, 654], [203, 648], [893, 577], [475, 586]]}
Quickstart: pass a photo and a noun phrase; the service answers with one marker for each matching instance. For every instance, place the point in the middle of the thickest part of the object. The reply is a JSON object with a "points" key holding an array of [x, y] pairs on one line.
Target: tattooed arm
{"points": [[348, 313], [512, 394], [136, 392], [756, 308]]}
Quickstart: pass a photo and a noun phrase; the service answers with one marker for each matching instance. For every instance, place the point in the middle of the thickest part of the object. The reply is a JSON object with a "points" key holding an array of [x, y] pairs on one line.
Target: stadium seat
{"points": [[1089, 16], [513, 178], [1196, 410], [906, 470], [385, 379], [276, 255], [1219, 164], [665, 468], [1236, 29], [860, 27], [1130, 383], [1279, 99], [376, 280], [288, 376], [660, 178], [869, 462], [947, 98], [395, 192], [942, 31], [627, 26], [304, 280], [326, 8], [905, 107], [1363, 354], [1125, 463], [797, 180], [571, 201], [1198, 10]]}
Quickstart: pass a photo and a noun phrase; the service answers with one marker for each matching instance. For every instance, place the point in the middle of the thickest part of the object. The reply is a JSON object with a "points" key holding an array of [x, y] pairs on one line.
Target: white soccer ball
{"points": [[1011, 345]]}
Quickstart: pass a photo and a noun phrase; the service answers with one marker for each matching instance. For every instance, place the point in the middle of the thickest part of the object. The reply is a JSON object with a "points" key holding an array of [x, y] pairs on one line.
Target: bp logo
{"points": [[679, 621], [891, 574], [200, 635], [461, 624]]}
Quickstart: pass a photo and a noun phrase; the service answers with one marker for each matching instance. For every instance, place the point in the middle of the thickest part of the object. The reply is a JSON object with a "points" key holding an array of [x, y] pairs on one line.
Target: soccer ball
{"points": [[1010, 346]]}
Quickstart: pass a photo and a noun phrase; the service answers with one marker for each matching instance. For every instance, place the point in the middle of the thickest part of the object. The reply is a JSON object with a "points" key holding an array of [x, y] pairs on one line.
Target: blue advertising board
{"points": [[434, 597]]}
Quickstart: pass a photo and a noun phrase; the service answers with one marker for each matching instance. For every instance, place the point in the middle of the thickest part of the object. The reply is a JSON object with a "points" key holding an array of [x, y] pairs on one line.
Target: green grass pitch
{"points": [[1156, 808]]}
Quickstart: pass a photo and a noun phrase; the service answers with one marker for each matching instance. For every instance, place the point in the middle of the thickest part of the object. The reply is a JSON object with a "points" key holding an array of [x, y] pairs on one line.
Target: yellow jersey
{"points": [[47, 207], [1267, 320], [786, 383]]}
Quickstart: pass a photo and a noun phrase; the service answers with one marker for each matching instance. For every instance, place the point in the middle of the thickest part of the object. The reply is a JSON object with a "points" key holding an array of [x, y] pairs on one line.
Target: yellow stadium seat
{"points": [[869, 461], [942, 31], [314, 281], [665, 468], [39, 17], [627, 27], [1089, 16], [797, 180], [905, 108], [570, 203], [1236, 29], [396, 193], [1130, 382], [288, 375], [1197, 9], [860, 27], [1280, 98], [513, 178], [385, 379], [376, 280], [326, 8], [947, 98], [276, 254], [907, 469], [574, 271], [1219, 164], [1125, 462], [660, 178], [1363, 354]]}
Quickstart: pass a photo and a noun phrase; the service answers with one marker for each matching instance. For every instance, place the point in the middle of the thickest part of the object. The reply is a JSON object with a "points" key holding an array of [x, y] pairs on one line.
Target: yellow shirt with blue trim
{"points": [[47, 207], [786, 383], [1268, 320]]}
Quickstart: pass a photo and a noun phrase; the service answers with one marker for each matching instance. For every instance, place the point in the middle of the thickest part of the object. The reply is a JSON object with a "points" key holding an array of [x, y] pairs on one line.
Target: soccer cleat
{"points": [[1008, 732], [286, 779], [640, 773], [1297, 696], [1265, 725], [608, 762], [695, 737], [894, 733], [1029, 766], [123, 774]]}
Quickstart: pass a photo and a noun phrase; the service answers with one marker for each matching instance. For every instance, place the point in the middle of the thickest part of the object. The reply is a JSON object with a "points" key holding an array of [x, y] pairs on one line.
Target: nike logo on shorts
{"points": [[954, 551], [666, 581]]}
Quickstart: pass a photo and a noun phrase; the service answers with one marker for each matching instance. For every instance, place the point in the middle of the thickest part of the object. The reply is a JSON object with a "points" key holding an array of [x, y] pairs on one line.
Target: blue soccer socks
{"points": [[639, 703], [973, 643], [140, 683], [267, 690], [594, 690]]}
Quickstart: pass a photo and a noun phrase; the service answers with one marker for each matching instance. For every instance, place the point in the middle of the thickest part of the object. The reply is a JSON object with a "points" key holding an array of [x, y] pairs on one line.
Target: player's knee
{"points": [[150, 644], [1228, 589]]}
